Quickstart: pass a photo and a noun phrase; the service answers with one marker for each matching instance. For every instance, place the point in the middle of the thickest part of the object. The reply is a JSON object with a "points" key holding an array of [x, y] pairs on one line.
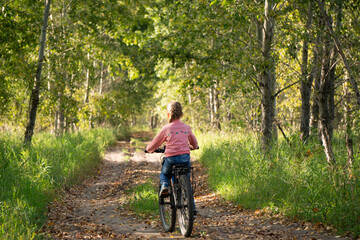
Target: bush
{"points": [[30, 177]]}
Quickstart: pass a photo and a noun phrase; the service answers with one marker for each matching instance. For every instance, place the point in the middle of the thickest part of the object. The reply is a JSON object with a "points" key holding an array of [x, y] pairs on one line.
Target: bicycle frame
{"points": [[178, 170]]}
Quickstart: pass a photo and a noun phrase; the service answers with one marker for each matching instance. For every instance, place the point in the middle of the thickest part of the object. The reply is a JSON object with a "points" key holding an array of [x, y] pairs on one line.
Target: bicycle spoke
{"points": [[167, 213], [186, 212]]}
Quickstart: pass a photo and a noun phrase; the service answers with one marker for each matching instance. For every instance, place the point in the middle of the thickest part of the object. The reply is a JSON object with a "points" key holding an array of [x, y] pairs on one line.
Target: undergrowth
{"points": [[295, 181], [144, 200], [30, 177]]}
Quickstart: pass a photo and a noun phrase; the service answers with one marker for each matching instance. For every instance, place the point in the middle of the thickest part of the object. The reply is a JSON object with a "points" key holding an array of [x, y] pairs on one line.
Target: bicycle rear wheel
{"points": [[186, 211], [167, 212]]}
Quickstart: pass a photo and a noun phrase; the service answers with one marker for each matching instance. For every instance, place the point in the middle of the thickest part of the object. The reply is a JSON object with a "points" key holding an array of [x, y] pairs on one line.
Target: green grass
{"points": [[144, 200], [138, 143], [123, 133], [296, 181], [30, 177]]}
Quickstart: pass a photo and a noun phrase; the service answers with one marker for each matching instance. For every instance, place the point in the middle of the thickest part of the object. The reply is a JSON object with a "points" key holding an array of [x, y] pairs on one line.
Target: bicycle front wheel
{"points": [[167, 212], [186, 210]]}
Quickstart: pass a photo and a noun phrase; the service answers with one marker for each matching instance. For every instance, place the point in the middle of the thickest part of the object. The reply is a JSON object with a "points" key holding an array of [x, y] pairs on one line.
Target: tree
{"points": [[35, 95], [268, 80], [306, 79]]}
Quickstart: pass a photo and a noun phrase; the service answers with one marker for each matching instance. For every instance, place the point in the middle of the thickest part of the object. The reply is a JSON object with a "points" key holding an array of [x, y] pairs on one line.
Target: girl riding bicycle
{"points": [[179, 141]]}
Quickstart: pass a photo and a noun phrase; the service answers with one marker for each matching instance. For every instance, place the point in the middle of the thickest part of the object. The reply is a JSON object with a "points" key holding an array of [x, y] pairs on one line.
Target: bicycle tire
{"points": [[186, 211], [167, 212]]}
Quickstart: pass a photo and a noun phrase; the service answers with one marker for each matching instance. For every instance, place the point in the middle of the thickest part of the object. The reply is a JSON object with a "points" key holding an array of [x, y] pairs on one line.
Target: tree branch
{"points": [[278, 92]]}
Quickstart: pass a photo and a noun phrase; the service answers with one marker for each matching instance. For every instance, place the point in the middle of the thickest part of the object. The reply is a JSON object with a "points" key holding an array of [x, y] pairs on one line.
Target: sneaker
{"points": [[164, 191]]}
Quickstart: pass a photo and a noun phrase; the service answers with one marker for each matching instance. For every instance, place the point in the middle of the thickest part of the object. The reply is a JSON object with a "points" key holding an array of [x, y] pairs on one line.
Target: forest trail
{"points": [[96, 209]]}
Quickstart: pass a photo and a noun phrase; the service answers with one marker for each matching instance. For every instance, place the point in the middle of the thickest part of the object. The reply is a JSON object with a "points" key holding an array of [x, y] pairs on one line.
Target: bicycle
{"points": [[179, 201]]}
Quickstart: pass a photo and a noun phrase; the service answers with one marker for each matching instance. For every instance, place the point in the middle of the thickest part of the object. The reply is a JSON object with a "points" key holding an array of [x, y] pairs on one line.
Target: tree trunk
{"points": [[325, 138], [87, 86], [317, 75], [214, 108], [347, 120], [156, 121], [35, 94], [268, 81], [152, 124], [216, 105], [211, 106], [101, 77], [61, 114], [191, 113], [340, 51], [331, 92], [306, 81], [324, 107], [332, 73], [56, 119], [324, 96]]}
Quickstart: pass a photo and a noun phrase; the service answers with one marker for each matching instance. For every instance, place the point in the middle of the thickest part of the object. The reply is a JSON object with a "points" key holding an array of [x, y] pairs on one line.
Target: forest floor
{"points": [[97, 209]]}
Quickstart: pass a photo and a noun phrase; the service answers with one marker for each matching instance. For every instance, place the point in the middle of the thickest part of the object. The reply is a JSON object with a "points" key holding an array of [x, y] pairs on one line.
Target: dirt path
{"points": [[96, 209]]}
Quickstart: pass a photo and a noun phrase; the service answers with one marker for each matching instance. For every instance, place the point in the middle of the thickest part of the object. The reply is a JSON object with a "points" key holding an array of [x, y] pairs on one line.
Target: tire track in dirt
{"points": [[96, 209]]}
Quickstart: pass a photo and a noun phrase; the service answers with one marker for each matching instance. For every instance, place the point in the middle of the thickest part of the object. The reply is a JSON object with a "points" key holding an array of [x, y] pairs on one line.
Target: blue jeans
{"points": [[166, 171]]}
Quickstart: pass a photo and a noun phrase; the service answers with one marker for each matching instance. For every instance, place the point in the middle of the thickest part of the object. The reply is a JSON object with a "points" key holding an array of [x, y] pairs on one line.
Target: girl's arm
{"points": [[156, 142], [193, 141]]}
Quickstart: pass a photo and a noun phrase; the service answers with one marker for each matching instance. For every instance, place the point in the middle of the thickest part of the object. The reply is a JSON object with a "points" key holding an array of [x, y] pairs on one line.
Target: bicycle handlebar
{"points": [[162, 150], [158, 150]]}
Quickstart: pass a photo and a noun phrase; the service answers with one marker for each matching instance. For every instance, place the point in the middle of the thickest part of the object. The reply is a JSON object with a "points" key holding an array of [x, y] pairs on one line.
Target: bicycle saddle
{"points": [[177, 166]]}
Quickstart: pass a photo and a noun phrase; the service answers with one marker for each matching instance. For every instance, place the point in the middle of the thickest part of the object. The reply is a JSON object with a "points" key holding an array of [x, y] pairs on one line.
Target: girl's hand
{"points": [[192, 148]]}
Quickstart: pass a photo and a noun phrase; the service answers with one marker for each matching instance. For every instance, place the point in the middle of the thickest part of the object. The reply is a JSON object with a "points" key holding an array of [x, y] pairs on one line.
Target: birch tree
{"points": [[268, 80], [35, 94]]}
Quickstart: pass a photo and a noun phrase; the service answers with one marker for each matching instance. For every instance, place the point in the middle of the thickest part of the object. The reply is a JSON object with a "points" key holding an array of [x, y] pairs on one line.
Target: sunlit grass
{"points": [[138, 143], [126, 157], [144, 200], [296, 180], [123, 133], [31, 177]]}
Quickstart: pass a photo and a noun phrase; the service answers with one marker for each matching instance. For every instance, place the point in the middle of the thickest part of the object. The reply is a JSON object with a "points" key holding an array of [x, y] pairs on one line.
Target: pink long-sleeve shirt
{"points": [[178, 137]]}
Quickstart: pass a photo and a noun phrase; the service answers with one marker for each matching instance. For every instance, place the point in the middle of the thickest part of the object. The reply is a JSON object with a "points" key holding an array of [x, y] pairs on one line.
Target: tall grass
{"points": [[30, 177], [297, 181]]}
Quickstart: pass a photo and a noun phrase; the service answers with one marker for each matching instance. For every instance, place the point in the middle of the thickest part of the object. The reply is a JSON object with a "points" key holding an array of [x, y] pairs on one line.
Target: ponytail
{"points": [[175, 111]]}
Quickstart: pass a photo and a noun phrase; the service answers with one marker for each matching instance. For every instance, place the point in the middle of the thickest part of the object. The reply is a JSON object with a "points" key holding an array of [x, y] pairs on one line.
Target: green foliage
{"points": [[122, 133], [296, 182], [106, 59], [31, 177], [94, 71], [18, 37]]}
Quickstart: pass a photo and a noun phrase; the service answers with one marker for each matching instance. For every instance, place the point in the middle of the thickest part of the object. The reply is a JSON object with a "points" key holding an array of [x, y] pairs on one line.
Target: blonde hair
{"points": [[175, 111]]}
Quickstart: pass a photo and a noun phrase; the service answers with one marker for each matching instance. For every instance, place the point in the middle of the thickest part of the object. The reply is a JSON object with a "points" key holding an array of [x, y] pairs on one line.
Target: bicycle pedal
{"points": [[164, 193]]}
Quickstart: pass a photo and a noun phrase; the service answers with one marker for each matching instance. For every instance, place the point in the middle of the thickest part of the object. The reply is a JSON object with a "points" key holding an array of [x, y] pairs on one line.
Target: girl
{"points": [[179, 141]]}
